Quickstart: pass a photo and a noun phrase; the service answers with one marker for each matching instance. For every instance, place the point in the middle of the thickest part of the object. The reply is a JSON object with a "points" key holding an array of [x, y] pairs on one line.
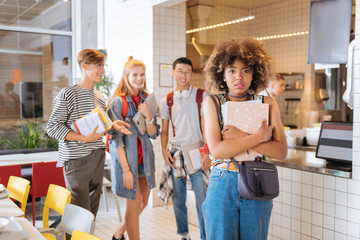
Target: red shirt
{"points": [[136, 100]]}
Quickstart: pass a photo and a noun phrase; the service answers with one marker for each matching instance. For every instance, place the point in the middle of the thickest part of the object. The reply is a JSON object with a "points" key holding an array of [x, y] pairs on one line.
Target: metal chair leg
{"points": [[116, 198]]}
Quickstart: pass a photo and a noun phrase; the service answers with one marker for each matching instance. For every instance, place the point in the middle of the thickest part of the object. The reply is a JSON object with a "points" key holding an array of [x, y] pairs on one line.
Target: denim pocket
{"points": [[216, 174]]}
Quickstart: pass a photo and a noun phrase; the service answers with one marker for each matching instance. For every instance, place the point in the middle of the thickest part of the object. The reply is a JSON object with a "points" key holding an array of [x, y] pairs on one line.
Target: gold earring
{"points": [[224, 80]]}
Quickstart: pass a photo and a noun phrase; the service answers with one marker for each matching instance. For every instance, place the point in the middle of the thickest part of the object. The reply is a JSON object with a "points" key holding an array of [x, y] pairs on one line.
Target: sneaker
{"points": [[186, 237]]}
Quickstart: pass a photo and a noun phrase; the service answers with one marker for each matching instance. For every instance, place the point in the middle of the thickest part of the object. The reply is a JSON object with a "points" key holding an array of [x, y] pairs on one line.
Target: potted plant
{"points": [[106, 84], [32, 138]]}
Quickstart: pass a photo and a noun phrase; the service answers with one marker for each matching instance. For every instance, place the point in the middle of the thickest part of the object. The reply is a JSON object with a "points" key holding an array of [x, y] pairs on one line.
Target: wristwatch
{"points": [[149, 122]]}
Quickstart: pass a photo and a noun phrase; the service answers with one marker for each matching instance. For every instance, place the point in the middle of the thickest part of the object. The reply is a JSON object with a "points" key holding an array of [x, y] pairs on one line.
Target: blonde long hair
{"points": [[124, 87]]}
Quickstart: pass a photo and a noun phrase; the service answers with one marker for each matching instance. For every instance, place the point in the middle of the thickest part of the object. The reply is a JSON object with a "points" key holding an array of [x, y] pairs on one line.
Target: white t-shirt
{"points": [[185, 117], [265, 92]]}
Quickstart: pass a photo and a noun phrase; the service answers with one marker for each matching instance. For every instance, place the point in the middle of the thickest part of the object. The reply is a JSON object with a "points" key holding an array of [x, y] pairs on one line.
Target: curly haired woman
{"points": [[238, 70]]}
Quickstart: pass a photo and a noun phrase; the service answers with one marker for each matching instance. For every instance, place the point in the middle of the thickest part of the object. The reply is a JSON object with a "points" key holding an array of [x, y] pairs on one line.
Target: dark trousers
{"points": [[84, 177]]}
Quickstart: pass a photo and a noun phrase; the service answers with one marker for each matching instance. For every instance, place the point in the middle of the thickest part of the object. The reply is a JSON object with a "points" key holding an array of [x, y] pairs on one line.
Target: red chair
{"points": [[44, 174], [7, 171]]}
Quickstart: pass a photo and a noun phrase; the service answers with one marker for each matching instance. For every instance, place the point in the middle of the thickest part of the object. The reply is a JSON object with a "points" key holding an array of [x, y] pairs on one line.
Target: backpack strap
{"points": [[199, 98], [170, 102], [125, 107]]}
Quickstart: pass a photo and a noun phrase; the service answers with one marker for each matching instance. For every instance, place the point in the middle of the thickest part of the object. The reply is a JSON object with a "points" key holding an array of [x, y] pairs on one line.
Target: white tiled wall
{"points": [[315, 206], [169, 44]]}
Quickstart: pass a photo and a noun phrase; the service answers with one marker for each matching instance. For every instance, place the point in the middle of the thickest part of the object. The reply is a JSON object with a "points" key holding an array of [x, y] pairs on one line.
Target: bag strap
{"points": [[235, 164], [259, 97], [218, 110]]}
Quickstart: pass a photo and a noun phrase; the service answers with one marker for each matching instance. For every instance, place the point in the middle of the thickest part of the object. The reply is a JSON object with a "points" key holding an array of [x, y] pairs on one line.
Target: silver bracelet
{"points": [[150, 122]]}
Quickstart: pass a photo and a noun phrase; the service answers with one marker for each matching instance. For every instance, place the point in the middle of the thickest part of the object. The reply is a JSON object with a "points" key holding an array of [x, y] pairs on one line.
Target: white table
{"points": [[9, 208], [34, 234], [28, 158]]}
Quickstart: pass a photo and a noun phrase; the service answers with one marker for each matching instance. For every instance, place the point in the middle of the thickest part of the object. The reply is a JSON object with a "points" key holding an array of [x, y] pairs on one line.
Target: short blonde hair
{"points": [[90, 56]]}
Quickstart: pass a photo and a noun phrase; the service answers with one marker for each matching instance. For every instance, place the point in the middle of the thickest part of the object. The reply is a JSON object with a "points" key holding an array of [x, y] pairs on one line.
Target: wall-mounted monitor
{"points": [[32, 99], [335, 141], [329, 33]]}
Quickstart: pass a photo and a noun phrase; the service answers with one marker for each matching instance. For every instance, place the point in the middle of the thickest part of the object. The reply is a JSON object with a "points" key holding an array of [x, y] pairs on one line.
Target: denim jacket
{"points": [[130, 144]]}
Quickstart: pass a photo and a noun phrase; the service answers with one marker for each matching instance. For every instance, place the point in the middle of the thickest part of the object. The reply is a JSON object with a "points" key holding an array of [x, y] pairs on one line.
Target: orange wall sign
{"points": [[15, 75]]}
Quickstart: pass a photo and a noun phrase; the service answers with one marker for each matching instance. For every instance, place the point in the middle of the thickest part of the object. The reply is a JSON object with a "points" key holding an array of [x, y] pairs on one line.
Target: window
{"points": [[35, 59]]}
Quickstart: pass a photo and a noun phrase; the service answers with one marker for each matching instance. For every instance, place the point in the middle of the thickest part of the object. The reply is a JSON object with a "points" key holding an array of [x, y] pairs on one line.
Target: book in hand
{"points": [[196, 157], [246, 116], [104, 117], [193, 154], [97, 117], [139, 119]]}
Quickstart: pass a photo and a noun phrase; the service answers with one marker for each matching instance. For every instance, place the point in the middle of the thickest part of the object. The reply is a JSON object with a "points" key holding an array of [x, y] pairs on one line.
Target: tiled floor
{"points": [[155, 223]]}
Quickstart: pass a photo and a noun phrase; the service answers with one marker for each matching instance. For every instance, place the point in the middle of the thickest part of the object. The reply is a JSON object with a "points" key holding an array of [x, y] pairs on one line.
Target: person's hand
{"points": [[121, 126], [265, 131], [206, 162], [93, 136], [231, 132], [168, 158], [128, 178], [145, 110]]}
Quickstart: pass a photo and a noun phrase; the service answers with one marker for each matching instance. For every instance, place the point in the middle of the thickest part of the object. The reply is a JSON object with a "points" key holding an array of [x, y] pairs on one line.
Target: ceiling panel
{"points": [[26, 9], [246, 4]]}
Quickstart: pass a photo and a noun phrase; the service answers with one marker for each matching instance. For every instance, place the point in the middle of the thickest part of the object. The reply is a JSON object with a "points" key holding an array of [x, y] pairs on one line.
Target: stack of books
{"points": [[97, 117], [246, 116], [193, 154]]}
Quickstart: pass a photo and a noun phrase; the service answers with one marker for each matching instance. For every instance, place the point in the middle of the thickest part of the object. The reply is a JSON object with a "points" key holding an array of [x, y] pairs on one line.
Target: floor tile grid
{"points": [[155, 223]]}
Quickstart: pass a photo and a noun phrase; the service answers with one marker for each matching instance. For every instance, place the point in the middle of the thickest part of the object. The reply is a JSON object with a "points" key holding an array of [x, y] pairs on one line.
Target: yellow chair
{"points": [[78, 235], [19, 190], [56, 199]]}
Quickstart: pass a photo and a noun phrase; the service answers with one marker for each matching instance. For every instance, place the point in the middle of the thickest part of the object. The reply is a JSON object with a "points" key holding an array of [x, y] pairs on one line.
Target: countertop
{"points": [[306, 161], [28, 158]]}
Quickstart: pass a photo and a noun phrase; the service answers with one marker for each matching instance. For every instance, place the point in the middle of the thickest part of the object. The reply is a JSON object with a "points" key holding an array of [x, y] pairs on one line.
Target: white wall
{"points": [[152, 33], [169, 44]]}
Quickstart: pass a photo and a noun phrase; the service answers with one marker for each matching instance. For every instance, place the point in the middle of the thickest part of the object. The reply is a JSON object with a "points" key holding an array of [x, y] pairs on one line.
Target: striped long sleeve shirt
{"points": [[72, 103]]}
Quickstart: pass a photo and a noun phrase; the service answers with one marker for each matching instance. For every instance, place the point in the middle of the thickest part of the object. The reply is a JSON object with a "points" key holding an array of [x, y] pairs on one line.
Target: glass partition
{"points": [[46, 14], [35, 59]]}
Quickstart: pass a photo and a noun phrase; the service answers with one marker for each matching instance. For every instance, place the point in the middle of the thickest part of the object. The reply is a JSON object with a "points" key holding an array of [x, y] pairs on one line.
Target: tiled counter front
{"points": [[315, 206]]}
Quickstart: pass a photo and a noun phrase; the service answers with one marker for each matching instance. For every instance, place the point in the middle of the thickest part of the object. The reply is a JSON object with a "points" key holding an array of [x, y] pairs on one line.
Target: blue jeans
{"points": [[179, 202], [228, 216]]}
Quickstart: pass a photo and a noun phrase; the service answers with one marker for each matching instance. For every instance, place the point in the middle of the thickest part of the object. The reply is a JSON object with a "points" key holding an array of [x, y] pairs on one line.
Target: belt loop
{"points": [[227, 166]]}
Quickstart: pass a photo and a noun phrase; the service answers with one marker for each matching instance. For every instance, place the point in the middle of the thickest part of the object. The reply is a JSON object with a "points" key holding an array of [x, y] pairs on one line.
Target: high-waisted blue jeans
{"points": [[228, 216]]}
